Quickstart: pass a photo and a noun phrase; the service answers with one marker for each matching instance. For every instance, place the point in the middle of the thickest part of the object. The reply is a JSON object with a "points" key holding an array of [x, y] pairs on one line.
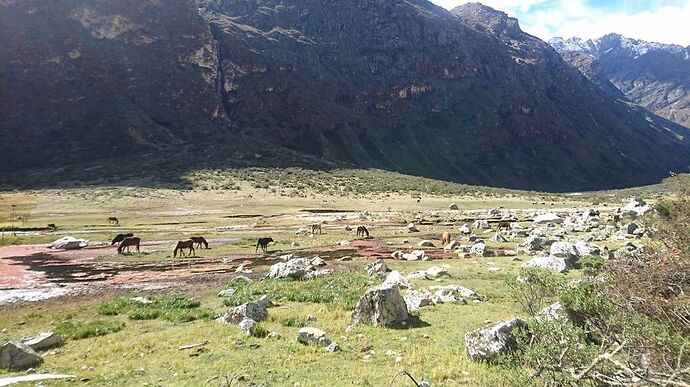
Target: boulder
{"points": [[464, 229], [453, 206], [317, 261], [489, 342], [415, 255], [567, 251], [395, 278], [377, 269], [494, 213], [309, 335], [44, 340], [556, 264], [415, 299], [252, 310], [583, 249], [451, 293], [294, 268], [548, 218], [247, 326], [630, 228], [636, 206], [412, 228], [265, 302], [499, 238], [430, 273], [555, 311], [69, 243], [452, 245], [381, 306], [15, 355], [425, 243], [478, 249], [227, 292], [481, 224]]}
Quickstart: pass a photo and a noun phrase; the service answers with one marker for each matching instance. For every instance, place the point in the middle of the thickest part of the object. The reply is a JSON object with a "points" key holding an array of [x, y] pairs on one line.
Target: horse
{"points": [[616, 218], [445, 239], [504, 224], [362, 231], [52, 226], [120, 237], [127, 242], [113, 219], [199, 240], [263, 243], [181, 245], [316, 227]]}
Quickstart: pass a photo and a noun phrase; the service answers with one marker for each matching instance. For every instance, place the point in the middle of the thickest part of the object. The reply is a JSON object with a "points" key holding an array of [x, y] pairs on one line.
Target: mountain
{"points": [[653, 75], [401, 85]]}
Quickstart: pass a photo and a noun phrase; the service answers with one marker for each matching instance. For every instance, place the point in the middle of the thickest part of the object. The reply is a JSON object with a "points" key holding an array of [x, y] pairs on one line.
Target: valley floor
{"points": [[43, 289]]}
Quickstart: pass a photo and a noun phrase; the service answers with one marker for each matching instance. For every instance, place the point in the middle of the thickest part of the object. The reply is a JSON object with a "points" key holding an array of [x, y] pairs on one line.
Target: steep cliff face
{"points": [[653, 75], [86, 79], [401, 85]]}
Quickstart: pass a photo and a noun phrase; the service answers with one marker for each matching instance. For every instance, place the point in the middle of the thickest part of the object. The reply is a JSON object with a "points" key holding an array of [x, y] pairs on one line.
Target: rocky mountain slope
{"points": [[653, 75], [402, 85]]}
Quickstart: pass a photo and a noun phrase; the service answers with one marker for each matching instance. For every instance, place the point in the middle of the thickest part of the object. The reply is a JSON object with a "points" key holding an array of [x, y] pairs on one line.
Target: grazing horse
{"points": [[504, 224], [362, 231], [263, 243], [445, 238], [181, 245], [127, 242], [120, 237], [52, 226], [113, 219], [616, 218], [199, 240], [316, 227]]}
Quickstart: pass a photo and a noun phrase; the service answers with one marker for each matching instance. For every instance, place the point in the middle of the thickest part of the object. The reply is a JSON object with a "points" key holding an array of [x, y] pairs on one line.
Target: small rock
{"points": [[487, 343], [412, 228], [227, 292], [425, 243]]}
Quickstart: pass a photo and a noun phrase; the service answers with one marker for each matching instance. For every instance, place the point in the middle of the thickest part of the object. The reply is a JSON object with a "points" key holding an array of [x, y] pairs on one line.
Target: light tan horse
{"points": [[127, 242], [181, 245], [445, 239]]}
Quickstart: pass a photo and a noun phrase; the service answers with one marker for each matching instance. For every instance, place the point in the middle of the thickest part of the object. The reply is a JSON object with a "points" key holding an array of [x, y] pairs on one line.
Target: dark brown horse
{"points": [[316, 227], [113, 219], [263, 243], [504, 224], [120, 237], [199, 240], [181, 245], [127, 242], [362, 231]]}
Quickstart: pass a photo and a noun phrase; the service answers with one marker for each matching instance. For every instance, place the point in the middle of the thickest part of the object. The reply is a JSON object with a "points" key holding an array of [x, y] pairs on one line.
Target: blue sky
{"points": [[665, 21]]}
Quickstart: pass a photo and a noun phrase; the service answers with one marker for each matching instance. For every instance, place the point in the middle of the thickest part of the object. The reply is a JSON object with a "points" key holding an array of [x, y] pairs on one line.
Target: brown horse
{"points": [[362, 231], [199, 240], [52, 226], [127, 242], [504, 224], [316, 227], [113, 219], [446, 238], [181, 245]]}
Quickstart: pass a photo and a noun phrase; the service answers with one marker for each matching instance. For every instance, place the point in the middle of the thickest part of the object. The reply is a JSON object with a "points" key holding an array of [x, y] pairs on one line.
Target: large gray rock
{"points": [[548, 218], [451, 294], [465, 229], [488, 343], [295, 268], [478, 249], [555, 311], [567, 251], [395, 278], [309, 335], [556, 264], [417, 299], [533, 242], [412, 228], [44, 340], [453, 206], [499, 238], [425, 243], [481, 224], [15, 355], [381, 306], [253, 310], [247, 326], [377, 269]]}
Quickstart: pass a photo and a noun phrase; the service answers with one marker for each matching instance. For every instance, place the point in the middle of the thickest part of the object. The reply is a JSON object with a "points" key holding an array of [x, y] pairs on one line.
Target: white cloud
{"points": [[566, 18]]}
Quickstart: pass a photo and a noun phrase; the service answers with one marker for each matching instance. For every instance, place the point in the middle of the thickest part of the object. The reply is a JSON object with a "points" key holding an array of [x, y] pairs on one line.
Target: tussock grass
{"points": [[173, 308], [81, 330], [342, 289]]}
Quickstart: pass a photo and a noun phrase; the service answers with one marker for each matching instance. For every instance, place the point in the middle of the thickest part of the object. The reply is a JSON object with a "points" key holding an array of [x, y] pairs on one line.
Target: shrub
{"points": [[591, 264], [293, 322], [535, 288]]}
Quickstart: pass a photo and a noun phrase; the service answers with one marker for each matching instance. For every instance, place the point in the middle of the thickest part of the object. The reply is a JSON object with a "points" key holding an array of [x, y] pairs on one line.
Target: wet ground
{"points": [[36, 272]]}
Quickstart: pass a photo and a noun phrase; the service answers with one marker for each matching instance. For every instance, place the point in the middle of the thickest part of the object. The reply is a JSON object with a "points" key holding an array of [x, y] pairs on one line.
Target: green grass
{"points": [[81, 330], [343, 289], [172, 308]]}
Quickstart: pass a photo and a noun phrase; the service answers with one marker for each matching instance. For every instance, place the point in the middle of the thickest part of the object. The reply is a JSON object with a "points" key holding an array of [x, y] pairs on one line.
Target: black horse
{"points": [[120, 237], [362, 231], [263, 243]]}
